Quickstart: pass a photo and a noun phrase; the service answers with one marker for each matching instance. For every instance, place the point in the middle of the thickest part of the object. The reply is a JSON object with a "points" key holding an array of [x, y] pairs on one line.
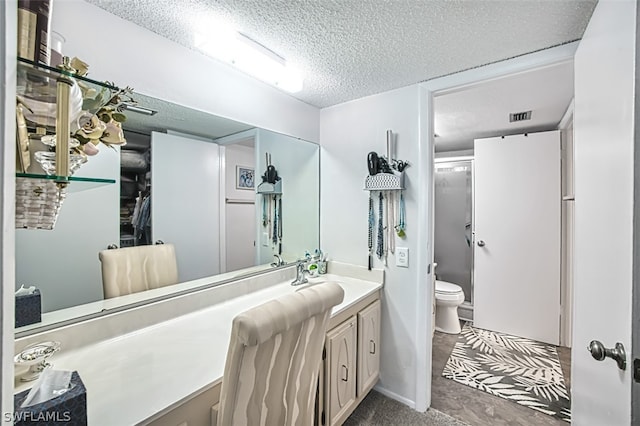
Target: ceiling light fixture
{"points": [[249, 56], [139, 109]]}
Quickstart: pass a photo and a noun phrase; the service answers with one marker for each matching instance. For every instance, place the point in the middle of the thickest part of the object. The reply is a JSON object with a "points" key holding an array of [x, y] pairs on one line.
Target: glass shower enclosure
{"points": [[454, 227]]}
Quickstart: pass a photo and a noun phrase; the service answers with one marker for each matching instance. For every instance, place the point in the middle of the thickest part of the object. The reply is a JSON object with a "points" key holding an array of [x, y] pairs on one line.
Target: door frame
{"points": [[635, 307], [428, 90], [567, 225]]}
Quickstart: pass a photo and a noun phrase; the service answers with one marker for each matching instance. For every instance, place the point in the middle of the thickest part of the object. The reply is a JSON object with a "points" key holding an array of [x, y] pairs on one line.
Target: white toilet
{"points": [[448, 297]]}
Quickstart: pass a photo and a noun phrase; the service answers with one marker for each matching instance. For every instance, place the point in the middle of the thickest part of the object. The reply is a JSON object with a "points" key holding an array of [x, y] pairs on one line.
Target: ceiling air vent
{"points": [[519, 116]]}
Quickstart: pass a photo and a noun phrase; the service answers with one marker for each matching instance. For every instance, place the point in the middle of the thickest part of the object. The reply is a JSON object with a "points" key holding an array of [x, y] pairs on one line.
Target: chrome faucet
{"points": [[301, 270], [278, 262]]}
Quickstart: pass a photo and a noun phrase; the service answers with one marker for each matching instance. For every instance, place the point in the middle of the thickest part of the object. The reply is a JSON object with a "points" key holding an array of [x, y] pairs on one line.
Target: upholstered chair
{"points": [[271, 372], [134, 269]]}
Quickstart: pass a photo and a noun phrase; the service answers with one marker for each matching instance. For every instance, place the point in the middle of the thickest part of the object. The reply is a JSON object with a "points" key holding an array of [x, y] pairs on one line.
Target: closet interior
{"points": [[135, 190]]}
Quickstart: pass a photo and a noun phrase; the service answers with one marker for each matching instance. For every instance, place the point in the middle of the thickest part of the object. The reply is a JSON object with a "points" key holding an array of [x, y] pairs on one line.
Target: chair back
{"points": [[271, 372], [134, 269]]}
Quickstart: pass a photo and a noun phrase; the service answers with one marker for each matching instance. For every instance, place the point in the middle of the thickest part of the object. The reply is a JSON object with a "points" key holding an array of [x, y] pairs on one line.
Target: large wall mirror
{"points": [[201, 176]]}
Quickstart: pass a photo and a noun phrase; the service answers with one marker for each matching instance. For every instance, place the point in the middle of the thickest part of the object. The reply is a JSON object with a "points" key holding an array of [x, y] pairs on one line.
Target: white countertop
{"points": [[132, 377]]}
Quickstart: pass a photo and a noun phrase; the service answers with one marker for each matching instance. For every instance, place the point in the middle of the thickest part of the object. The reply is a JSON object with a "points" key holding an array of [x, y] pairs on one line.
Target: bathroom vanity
{"points": [[169, 372], [351, 360]]}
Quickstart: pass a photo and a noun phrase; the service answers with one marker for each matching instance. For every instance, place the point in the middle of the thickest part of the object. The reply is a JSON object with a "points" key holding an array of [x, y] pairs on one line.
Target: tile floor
{"points": [[454, 404], [480, 408]]}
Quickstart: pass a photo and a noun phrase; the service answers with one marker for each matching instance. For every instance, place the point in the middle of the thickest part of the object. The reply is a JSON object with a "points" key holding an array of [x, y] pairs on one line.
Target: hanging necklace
{"points": [[280, 225], [371, 223], [274, 237], [401, 225], [264, 211], [380, 247], [391, 220]]}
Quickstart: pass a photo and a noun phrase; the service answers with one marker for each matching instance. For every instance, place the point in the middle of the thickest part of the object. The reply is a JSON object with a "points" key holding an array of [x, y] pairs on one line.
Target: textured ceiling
{"points": [[347, 49]]}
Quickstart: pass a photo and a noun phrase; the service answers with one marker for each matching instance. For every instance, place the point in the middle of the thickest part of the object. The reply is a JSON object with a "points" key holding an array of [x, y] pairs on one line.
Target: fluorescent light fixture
{"points": [[139, 109], [227, 45]]}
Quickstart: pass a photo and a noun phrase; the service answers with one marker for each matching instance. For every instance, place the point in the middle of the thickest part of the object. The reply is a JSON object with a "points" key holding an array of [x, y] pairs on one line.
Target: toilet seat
{"points": [[447, 288]]}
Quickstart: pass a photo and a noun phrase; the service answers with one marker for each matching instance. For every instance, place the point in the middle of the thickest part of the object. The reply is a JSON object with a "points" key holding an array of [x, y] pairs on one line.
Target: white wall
{"points": [[297, 164], [240, 227], [348, 132], [120, 51], [63, 263]]}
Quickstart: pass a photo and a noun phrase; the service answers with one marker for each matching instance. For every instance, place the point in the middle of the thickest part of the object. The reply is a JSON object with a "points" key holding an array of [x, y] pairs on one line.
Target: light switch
{"points": [[402, 257], [265, 239]]}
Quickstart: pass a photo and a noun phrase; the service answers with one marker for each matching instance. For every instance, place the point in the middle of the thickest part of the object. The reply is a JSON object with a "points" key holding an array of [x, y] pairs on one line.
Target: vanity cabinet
{"points": [[351, 361]]}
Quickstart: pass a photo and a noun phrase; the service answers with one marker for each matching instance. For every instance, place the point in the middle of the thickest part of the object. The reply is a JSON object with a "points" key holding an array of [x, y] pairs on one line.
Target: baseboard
{"points": [[393, 395]]}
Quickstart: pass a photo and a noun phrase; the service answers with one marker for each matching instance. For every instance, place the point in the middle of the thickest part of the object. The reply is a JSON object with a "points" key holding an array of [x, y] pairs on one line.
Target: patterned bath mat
{"points": [[518, 369]]}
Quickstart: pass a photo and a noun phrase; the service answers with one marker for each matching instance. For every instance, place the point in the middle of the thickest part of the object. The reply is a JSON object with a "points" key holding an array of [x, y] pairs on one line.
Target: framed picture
{"points": [[244, 178]]}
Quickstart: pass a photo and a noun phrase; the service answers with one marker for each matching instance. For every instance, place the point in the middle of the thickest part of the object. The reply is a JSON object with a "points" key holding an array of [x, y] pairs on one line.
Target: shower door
{"points": [[453, 224]]}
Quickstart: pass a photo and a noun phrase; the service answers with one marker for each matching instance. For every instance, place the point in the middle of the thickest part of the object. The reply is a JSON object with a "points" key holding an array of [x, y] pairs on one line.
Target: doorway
{"points": [[501, 96], [239, 201]]}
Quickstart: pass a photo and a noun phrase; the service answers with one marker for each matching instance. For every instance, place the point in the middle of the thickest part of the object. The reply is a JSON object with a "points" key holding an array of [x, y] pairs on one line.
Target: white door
{"points": [[240, 236], [185, 202], [604, 127], [517, 235], [240, 210]]}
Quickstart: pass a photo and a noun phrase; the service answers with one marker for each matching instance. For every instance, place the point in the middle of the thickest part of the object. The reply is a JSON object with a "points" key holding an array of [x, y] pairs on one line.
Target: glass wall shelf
{"points": [[79, 183], [37, 82], [39, 197]]}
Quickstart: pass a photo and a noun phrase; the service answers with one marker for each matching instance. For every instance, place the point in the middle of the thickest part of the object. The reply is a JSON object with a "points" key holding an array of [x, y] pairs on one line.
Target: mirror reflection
{"points": [[230, 200]]}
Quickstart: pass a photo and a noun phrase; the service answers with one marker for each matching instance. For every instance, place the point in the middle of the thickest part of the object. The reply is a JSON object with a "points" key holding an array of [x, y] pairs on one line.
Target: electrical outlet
{"points": [[402, 257]]}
